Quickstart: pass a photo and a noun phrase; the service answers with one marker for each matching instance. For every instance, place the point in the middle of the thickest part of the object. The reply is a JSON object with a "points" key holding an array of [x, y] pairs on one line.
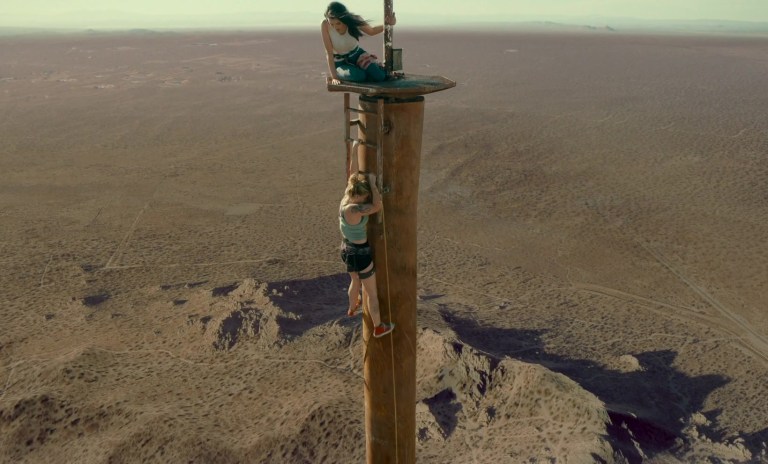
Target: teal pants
{"points": [[348, 70]]}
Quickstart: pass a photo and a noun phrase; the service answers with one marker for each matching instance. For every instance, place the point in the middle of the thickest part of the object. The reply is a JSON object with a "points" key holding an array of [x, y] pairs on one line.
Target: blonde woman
{"points": [[361, 199]]}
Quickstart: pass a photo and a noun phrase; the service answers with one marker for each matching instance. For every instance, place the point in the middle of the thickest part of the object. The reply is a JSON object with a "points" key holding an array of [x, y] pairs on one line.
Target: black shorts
{"points": [[357, 257]]}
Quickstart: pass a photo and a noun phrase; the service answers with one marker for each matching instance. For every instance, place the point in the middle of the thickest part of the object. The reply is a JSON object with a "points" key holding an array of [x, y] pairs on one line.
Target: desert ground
{"points": [[593, 249]]}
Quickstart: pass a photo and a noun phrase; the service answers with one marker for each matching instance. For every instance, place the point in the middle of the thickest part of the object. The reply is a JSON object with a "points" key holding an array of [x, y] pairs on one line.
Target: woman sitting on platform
{"points": [[361, 199], [347, 61]]}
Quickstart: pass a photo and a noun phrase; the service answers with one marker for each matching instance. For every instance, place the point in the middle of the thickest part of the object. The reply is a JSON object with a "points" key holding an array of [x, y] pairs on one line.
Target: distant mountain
{"points": [[121, 20], [111, 20], [699, 25], [530, 25], [11, 31], [611, 24], [710, 25]]}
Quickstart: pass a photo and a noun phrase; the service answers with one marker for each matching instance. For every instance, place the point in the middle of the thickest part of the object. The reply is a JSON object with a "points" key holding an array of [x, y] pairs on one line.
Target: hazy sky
{"points": [[175, 13]]}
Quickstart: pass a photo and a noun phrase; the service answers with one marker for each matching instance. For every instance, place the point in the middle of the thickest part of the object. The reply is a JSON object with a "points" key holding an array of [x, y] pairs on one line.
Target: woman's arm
{"points": [[333, 77], [375, 206], [354, 164], [356, 158], [373, 30], [357, 211], [377, 203], [354, 212]]}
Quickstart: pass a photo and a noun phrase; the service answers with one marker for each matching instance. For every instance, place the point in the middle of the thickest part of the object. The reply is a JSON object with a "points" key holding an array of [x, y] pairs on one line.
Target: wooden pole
{"points": [[390, 361]]}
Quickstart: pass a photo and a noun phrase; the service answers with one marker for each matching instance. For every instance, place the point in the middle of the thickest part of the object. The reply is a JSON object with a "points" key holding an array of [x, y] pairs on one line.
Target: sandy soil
{"points": [[592, 264]]}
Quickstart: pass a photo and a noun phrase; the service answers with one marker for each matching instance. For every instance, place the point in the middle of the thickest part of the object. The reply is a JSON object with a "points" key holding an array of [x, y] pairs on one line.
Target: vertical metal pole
{"points": [[388, 60], [347, 144], [390, 361], [380, 149]]}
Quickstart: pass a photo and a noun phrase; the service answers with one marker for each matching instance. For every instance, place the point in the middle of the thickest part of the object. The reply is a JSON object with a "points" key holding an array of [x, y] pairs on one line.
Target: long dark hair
{"points": [[352, 21]]}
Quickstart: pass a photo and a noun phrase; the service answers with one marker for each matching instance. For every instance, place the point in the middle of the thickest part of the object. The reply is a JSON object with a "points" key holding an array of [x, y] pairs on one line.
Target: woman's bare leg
{"points": [[372, 299], [353, 292]]}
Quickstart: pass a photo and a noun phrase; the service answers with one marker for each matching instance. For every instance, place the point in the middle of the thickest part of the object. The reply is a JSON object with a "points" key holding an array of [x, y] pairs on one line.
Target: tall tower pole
{"points": [[390, 362], [391, 115]]}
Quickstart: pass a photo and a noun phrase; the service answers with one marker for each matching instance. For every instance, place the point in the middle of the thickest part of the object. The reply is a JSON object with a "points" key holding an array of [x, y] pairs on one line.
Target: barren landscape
{"points": [[593, 250]]}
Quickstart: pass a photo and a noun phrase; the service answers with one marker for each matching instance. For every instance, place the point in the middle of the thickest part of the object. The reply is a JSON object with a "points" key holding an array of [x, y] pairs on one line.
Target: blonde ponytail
{"points": [[357, 186]]}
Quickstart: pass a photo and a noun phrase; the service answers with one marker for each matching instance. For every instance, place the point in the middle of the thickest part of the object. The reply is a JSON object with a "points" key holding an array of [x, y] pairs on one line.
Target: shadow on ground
{"points": [[315, 301], [647, 406]]}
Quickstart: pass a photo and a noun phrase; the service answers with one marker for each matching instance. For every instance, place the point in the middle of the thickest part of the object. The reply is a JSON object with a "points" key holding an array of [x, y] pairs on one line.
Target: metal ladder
{"points": [[382, 129]]}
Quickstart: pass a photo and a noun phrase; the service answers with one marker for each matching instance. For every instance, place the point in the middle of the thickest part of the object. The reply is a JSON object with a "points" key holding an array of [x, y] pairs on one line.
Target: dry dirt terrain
{"points": [[593, 250]]}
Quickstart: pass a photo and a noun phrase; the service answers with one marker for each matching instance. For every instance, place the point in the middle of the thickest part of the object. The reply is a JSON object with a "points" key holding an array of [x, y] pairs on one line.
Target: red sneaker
{"points": [[383, 329]]}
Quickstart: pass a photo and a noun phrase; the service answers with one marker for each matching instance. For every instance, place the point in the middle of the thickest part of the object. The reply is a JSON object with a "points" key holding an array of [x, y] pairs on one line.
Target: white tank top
{"points": [[342, 43]]}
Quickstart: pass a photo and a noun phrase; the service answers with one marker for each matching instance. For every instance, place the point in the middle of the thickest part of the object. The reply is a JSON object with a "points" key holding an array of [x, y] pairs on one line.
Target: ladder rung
{"points": [[356, 122], [357, 110], [367, 144]]}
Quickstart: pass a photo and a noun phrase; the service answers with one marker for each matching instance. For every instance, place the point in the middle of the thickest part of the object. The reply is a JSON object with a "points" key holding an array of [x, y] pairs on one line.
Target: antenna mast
{"points": [[388, 58]]}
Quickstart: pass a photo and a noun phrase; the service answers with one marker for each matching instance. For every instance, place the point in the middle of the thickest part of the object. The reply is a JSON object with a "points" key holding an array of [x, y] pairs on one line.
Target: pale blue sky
{"points": [[241, 13]]}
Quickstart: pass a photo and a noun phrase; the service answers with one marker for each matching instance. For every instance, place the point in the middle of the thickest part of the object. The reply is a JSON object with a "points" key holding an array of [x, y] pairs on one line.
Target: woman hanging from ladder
{"points": [[361, 199], [347, 61]]}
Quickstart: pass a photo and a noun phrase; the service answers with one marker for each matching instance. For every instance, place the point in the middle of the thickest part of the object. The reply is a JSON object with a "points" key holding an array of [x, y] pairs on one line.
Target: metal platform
{"points": [[403, 86]]}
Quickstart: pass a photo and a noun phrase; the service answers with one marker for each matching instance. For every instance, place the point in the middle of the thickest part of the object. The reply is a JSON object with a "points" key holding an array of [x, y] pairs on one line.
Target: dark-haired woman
{"points": [[347, 61]]}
